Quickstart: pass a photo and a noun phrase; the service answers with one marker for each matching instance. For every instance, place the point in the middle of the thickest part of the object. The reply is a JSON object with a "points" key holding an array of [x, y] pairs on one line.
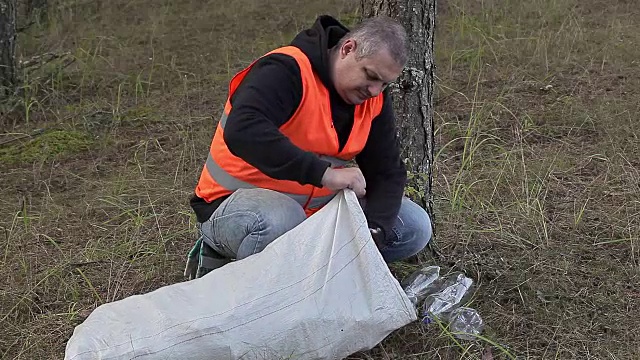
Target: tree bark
{"points": [[8, 76], [413, 91]]}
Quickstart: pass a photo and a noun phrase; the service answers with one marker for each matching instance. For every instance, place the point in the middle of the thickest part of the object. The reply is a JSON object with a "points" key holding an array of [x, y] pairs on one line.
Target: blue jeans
{"points": [[248, 220]]}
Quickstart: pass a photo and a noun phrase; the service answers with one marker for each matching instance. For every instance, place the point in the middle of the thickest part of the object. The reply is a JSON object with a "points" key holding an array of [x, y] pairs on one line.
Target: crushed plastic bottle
{"points": [[465, 323], [445, 305], [421, 283], [443, 297], [440, 304]]}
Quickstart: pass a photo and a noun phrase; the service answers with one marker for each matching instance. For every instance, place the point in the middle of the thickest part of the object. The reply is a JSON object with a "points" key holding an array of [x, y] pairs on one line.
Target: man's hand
{"points": [[349, 178], [376, 234]]}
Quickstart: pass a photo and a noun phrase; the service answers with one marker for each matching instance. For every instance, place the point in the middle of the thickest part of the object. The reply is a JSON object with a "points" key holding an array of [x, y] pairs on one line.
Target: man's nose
{"points": [[374, 89]]}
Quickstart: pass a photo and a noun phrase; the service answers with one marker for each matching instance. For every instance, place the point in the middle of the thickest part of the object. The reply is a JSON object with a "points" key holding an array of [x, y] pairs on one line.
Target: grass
{"points": [[536, 175], [45, 147]]}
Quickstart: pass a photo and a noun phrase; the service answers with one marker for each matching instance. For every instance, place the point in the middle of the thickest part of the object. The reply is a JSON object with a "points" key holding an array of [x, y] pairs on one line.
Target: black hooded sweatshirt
{"points": [[267, 98]]}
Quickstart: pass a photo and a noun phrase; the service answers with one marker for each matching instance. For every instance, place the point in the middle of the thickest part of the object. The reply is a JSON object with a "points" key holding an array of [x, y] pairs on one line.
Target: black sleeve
{"points": [[267, 97], [383, 170]]}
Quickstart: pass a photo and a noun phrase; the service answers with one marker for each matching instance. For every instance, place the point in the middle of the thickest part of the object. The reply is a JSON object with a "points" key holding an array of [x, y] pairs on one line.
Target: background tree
{"points": [[413, 92], [7, 48]]}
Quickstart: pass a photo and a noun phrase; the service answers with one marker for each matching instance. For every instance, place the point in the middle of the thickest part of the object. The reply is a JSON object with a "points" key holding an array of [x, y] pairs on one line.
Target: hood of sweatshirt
{"points": [[316, 41]]}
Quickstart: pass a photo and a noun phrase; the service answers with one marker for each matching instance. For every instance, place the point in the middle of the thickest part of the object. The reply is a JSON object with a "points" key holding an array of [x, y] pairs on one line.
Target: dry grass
{"points": [[536, 182]]}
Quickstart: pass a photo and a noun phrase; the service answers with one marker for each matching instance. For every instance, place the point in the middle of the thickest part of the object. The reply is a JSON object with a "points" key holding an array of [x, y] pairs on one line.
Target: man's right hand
{"points": [[349, 178]]}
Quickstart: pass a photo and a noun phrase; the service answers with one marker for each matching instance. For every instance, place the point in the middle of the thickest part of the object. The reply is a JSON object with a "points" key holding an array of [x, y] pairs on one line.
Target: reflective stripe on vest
{"points": [[229, 182], [223, 120]]}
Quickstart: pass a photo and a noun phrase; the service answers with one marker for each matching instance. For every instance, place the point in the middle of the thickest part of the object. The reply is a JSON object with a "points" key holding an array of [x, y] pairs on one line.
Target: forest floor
{"points": [[536, 178]]}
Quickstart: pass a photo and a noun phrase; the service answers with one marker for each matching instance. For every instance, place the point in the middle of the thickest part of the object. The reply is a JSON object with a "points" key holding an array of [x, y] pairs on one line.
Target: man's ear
{"points": [[348, 47]]}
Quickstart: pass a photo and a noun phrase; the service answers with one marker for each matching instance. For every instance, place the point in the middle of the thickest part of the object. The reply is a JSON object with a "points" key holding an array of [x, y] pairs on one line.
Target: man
{"points": [[291, 122]]}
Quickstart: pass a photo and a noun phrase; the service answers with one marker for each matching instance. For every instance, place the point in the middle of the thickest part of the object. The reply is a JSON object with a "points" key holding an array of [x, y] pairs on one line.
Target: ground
{"points": [[536, 180]]}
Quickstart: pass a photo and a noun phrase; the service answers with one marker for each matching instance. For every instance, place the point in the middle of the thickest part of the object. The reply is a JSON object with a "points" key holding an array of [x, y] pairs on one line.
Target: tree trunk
{"points": [[7, 48], [413, 91]]}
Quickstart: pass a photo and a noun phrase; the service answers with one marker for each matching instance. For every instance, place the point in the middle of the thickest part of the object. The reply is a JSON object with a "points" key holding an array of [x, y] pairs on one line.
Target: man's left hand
{"points": [[377, 235]]}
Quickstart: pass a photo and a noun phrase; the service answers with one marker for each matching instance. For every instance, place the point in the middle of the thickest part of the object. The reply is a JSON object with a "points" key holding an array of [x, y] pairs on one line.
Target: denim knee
{"points": [[411, 233], [420, 224]]}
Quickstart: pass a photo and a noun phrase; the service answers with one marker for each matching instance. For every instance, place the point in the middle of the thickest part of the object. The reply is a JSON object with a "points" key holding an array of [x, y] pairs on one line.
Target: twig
{"points": [[42, 59], [22, 136]]}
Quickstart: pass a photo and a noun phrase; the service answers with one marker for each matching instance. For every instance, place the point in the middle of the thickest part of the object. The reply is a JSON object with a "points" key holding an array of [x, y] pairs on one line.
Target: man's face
{"points": [[357, 80]]}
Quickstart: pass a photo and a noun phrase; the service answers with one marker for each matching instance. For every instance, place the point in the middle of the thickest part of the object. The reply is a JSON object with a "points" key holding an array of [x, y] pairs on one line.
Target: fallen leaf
{"points": [[487, 354]]}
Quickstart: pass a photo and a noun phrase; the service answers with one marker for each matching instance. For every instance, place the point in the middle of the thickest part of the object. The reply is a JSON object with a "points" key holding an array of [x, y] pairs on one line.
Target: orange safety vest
{"points": [[310, 128]]}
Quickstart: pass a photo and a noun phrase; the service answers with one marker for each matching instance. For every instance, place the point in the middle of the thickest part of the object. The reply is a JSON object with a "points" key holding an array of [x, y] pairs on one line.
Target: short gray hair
{"points": [[377, 33]]}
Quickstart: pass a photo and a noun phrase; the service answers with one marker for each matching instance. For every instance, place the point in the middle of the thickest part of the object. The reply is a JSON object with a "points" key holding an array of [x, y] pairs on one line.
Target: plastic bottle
{"points": [[466, 322], [440, 304], [421, 283], [443, 297]]}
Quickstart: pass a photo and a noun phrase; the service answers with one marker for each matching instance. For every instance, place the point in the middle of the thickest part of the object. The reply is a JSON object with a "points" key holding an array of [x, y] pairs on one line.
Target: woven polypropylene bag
{"points": [[320, 291]]}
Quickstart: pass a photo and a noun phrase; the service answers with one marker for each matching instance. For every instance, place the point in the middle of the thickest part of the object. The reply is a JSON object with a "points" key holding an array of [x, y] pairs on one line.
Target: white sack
{"points": [[320, 291]]}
